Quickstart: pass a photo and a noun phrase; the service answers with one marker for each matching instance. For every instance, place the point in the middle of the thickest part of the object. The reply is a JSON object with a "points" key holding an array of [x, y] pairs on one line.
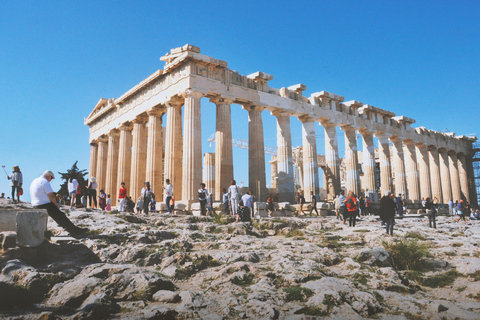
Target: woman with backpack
{"points": [[202, 198], [146, 194], [352, 208]]}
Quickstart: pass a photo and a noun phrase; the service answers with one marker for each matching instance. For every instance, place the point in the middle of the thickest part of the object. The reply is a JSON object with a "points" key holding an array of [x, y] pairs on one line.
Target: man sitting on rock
{"points": [[43, 198]]}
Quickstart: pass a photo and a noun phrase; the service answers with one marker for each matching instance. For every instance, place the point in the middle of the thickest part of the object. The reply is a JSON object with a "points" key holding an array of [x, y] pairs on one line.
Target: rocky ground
{"points": [[188, 267]]}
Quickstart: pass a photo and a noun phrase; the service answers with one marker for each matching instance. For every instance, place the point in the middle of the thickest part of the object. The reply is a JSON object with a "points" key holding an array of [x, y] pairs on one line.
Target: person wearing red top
{"points": [[122, 195], [352, 207]]}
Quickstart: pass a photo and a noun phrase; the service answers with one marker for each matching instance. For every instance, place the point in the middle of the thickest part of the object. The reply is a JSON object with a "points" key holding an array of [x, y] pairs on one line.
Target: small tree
{"points": [[74, 173]]}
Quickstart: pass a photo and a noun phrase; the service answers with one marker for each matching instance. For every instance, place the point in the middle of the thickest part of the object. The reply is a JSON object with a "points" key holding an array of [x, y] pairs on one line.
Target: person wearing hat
{"points": [[17, 182], [43, 197], [92, 192]]}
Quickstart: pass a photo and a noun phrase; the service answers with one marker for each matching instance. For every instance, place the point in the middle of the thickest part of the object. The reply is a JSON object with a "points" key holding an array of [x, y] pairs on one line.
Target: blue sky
{"points": [[58, 58]]}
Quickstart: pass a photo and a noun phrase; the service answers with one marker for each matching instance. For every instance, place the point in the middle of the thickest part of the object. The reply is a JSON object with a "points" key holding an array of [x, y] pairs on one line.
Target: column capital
{"points": [[139, 120], [94, 143], [365, 132], [156, 111], [222, 100], [409, 142], [174, 102], [252, 107], [395, 139], [126, 126], [280, 113], [189, 93], [452, 152], [383, 135], [432, 148], [327, 124], [114, 133], [102, 138]]}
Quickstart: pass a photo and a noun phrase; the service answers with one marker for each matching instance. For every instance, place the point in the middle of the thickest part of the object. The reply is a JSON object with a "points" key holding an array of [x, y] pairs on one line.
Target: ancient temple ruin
{"points": [[127, 139]]}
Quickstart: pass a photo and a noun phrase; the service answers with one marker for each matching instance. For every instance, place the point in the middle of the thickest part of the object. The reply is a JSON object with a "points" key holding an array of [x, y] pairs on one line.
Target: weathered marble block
{"points": [[7, 220], [31, 226]]}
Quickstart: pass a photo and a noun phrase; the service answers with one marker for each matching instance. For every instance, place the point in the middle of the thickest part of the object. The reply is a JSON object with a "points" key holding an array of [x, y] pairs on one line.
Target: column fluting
{"points": [[174, 146], [445, 175], [352, 176], [310, 163], [411, 171], [92, 171], [154, 165], [435, 173], [386, 181], [125, 158], [424, 171], [208, 175], [399, 167], [332, 161], [112, 165], [102, 163], [257, 181], [286, 184], [368, 161], [462, 174], [139, 154], [453, 165]]}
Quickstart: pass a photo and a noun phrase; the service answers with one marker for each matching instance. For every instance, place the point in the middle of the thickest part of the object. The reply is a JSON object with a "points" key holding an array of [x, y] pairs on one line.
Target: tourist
{"points": [[2, 196], [102, 200], [387, 211], [424, 202], [352, 208], [399, 205], [343, 209], [361, 206], [300, 202], [202, 198], [72, 184], [210, 205], [92, 192], [146, 194], [109, 203], [129, 204], [243, 213], [248, 202], [368, 203], [461, 211], [17, 182], [83, 200], [153, 203], [172, 204], [122, 195], [474, 215], [139, 205], [431, 213], [336, 206], [450, 207], [43, 197], [225, 200], [270, 205], [455, 207], [234, 196], [314, 203], [168, 189], [253, 203]]}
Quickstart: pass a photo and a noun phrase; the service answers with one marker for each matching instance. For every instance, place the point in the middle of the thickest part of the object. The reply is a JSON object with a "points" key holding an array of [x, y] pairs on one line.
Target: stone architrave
{"points": [[223, 146], [462, 174], [209, 171], [435, 174], [192, 147], [256, 154], [125, 158], [93, 159], [368, 161], [154, 165], [445, 175], [352, 176], [310, 163], [286, 184], [332, 169], [453, 165], [399, 167], [102, 163], [112, 165], [139, 155], [386, 181], [411, 170], [174, 146], [424, 171]]}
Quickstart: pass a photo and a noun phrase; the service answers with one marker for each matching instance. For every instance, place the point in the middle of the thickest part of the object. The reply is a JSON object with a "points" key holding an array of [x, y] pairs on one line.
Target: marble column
{"points": [[368, 161], [453, 165], [332, 161], [310, 163], [286, 184], [209, 171], [92, 171], [411, 171], [139, 155], [154, 166], [445, 175], [274, 172], [125, 158], [399, 167], [352, 176], [424, 171], [223, 146], [192, 147], [257, 181], [435, 174], [462, 174], [102, 162], [112, 166], [174, 146], [386, 181]]}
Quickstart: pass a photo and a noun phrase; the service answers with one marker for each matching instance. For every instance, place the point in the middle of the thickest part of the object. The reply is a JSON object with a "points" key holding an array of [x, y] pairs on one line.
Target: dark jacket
{"points": [[387, 208]]}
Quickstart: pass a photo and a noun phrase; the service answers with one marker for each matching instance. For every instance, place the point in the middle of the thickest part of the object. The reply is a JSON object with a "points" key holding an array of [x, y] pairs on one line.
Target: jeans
{"points": [[390, 222], [352, 218], [431, 219], [92, 194], [203, 204], [167, 203], [314, 207], [234, 203], [122, 205], [57, 215]]}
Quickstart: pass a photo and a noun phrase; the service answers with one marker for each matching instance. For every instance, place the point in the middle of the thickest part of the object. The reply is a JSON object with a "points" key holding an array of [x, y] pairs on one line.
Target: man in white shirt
{"points": [[168, 194], [248, 202], [43, 198]]}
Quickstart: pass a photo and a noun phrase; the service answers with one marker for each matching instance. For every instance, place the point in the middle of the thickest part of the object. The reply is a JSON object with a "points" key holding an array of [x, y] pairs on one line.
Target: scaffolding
{"points": [[476, 168]]}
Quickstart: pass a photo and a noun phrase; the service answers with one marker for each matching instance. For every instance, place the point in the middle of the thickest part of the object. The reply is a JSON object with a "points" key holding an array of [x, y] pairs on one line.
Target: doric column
{"points": [[139, 155], [332, 161], [209, 171], [257, 181], [453, 165], [310, 163], [125, 158], [192, 147], [435, 173], [223, 146], [92, 171], [368, 161], [462, 174], [445, 175], [112, 165], [174, 146], [386, 182], [274, 172], [102, 162], [352, 176], [286, 185], [399, 166], [424, 171], [154, 166], [411, 170]]}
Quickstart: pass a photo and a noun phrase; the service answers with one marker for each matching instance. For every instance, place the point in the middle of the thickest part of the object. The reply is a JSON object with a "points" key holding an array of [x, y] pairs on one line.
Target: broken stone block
{"points": [[31, 226]]}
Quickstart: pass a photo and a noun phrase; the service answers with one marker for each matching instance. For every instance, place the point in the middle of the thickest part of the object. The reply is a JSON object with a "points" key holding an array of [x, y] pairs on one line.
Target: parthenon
{"points": [[127, 143]]}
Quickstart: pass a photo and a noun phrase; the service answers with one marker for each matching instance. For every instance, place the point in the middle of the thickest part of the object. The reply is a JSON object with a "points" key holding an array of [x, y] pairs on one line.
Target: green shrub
{"points": [[298, 293], [294, 233], [312, 311], [476, 297], [415, 235], [476, 275], [378, 296], [246, 280], [407, 254], [361, 278], [440, 280]]}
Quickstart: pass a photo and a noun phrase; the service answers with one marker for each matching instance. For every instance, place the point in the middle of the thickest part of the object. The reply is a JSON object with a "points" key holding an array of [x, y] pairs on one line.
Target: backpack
{"points": [[351, 203], [244, 214], [201, 195]]}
